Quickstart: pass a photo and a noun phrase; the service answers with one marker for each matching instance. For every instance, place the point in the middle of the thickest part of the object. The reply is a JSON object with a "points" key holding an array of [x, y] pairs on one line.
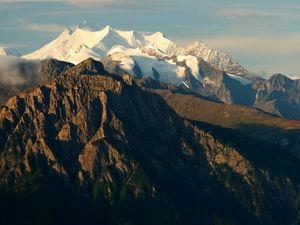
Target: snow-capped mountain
{"points": [[77, 45], [219, 59], [4, 51], [137, 53]]}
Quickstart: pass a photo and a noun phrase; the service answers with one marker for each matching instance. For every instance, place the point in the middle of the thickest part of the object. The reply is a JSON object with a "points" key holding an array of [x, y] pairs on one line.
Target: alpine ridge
{"points": [[81, 43], [205, 71], [90, 147]]}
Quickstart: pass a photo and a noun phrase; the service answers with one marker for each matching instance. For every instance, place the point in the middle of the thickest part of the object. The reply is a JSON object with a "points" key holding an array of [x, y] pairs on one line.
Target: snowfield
{"points": [[139, 54]]}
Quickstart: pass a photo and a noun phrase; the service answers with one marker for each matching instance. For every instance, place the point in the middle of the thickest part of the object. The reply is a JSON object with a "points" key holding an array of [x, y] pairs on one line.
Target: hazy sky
{"points": [[263, 35]]}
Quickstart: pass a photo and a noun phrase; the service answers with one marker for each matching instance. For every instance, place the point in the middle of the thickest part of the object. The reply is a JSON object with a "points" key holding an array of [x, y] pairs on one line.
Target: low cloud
{"points": [[110, 2], [105, 3], [7, 78], [98, 1], [72, 1], [257, 13], [295, 77], [271, 53], [124, 5], [16, 75], [267, 44], [28, 25], [46, 28], [40, 27], [18, 1], [15, 71], [247, 13]]}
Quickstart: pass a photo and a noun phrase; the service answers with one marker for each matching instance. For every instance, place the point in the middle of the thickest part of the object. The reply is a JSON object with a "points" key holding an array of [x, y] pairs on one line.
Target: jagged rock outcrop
{"points": [[279, 95], [214, 57], [98, 142], [49, 69]]}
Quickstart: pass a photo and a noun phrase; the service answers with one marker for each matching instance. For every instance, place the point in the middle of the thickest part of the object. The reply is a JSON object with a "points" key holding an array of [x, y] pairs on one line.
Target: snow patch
{"points": [[242, 80], [192, 63]]}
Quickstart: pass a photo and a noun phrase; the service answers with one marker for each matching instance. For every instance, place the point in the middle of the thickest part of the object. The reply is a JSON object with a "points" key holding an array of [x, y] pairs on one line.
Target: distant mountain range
{"points": [[130, 47], [86, 146], [250, 121], [205, 71], [111, 127]]}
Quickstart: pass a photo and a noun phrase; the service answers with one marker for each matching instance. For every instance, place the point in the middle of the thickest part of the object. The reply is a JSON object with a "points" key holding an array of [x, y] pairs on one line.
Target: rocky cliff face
{"points": [[279, 95], [218, 59], [250, 121], [100, 150]]}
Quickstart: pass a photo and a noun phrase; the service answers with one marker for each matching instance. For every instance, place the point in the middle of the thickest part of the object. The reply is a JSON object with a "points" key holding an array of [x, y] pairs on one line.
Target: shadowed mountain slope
{"points": [[93, 148], [250, 121]]}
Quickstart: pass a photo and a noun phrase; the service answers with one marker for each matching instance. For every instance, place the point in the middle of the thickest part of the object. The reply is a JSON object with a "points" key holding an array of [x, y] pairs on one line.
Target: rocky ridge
{"points": [[90, 137]]}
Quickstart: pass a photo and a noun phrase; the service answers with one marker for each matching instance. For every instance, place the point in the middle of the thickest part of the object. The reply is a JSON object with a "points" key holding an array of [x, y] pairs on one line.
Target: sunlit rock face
{"points": [[88, 139]]}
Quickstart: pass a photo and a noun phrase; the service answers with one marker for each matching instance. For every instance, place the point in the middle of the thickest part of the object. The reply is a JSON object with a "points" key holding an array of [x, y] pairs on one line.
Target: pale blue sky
{"points": [[262, 35]]}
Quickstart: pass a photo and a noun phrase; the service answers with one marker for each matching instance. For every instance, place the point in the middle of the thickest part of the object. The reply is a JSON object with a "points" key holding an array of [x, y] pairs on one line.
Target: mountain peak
{"points": [[82, 43], [5, 51], [199, 42], [102, 142], [278, 75], [107, 27], [159, 34], [67, 31], [2, 51], [86, 25], [89, 67], [280, 80]]}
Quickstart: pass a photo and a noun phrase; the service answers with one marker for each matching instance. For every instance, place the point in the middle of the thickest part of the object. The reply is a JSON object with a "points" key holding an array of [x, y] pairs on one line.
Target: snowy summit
{"points": [[153, 54]]}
